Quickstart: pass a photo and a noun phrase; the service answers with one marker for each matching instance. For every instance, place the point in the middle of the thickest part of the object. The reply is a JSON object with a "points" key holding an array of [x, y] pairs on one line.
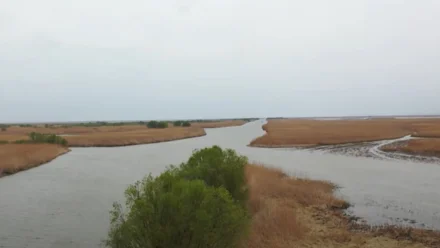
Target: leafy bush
{"points": [[177, 123], [162, 124], [157, 124], [4, 142], [197, 204], [47, 138], [152, 124], [169, 211], [186, 124], [218, 167]]}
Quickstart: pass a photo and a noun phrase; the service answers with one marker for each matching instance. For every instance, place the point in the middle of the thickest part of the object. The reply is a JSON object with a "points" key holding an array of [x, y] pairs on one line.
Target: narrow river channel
{"points": [[66, 202]]}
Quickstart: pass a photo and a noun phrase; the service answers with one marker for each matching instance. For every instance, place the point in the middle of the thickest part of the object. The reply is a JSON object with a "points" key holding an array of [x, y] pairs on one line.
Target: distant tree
{"points": [[177, 123], [186, 124], [152, 124], [162, 124]]}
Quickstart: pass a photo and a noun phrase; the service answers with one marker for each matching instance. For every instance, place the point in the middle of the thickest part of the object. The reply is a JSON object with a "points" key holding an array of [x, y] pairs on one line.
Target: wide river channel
{"points": [[66, 202]]}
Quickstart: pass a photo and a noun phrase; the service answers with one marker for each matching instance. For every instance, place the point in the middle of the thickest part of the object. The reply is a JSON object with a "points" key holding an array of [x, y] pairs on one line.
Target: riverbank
{"points": [[112, 139], [353, 137], [18, 157], [296, 212]]}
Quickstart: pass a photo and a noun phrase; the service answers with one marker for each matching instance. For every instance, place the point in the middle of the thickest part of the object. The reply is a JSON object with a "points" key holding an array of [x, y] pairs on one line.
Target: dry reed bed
{"points": [[18, 157], [110, 139], [293, 212], [218, 124], [16, 130], [425, 147], [306, 132]]}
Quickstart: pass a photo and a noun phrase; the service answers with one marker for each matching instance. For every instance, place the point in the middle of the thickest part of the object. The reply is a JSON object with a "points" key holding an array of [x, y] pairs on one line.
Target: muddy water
{"points": [[65, 203]]}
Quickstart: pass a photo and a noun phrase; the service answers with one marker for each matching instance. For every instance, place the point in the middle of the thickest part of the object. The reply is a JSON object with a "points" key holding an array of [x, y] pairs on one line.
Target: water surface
{"points": [[65, 203]]}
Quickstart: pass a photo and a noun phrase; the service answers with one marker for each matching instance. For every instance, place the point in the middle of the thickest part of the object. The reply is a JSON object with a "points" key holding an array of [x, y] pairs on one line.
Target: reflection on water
{"points": [[65, 203]]}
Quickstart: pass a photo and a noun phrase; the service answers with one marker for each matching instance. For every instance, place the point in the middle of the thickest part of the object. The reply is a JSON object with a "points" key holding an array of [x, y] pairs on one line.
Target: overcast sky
{"points": [[169, 59]]}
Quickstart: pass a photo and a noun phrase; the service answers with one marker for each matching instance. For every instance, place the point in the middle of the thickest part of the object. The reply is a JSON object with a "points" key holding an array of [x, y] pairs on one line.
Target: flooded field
{"points": [[65, 203]]}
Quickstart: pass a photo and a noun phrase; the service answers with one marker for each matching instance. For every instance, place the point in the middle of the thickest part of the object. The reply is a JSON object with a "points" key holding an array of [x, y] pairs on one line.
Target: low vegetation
{"points": [[146, 136], [201, 204], [182, 124], [157, 124], [47, 138], [42, 138], [218, 124], [18, 157], [295, 212], [307, 132]]}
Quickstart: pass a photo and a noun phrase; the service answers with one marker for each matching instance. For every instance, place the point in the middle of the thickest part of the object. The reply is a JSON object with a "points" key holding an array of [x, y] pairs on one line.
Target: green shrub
{"points": [[171, 212], [152, 124], [157, 124], [177, 123], [218, 167], [162, 124], [47, 138], [186, 124], [3, 142]]}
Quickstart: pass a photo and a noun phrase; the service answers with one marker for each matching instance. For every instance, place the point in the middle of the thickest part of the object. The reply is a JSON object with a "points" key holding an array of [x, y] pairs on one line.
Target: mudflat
{"points": [[312, 133]]}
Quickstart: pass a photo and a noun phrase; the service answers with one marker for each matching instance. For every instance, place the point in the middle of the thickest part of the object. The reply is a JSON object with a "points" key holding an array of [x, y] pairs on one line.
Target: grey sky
{"points": [[143, 59]]}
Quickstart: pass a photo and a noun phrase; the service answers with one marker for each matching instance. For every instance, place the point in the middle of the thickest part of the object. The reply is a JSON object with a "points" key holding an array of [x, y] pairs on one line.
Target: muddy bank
{"points": [[385, 150]]}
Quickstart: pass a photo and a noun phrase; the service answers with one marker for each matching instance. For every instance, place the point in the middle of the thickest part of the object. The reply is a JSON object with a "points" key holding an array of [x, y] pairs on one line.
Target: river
{"points": [[66, 202]]}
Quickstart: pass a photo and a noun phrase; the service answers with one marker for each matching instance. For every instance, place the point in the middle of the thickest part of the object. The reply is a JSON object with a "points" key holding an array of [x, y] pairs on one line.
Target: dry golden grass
{"points": [[18, 157], [16, 130], [292, 212], [426, 147], [218, 124], [12, 137], [107, 139], [303, 132]]}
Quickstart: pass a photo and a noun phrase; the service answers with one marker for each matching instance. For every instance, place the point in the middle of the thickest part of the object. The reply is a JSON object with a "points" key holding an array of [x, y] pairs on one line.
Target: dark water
{"points": [[65, 203]]}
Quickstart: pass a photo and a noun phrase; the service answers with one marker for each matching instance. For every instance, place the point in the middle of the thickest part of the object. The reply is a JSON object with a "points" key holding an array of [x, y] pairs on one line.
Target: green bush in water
{"points": [[172, 212]]}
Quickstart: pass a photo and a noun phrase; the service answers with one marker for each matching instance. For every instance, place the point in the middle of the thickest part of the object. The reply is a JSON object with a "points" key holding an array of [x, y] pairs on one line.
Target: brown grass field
{"points": [[306, 132], [426, 147], [292, 212], [116, 135], [18, 157], [108, 139], [217, 124]]}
